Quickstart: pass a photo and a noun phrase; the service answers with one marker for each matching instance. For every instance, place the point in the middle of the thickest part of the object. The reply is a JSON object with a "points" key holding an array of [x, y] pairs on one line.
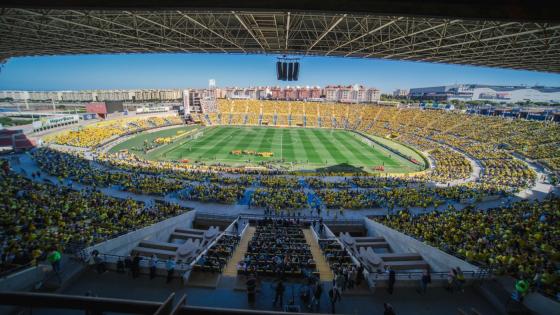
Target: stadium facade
{"points": [[490, 93]]}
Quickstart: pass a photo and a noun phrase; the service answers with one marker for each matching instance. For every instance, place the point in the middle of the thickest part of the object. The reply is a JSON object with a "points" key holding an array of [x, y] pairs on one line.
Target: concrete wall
{"points": [[401, 243], [124, 244]]}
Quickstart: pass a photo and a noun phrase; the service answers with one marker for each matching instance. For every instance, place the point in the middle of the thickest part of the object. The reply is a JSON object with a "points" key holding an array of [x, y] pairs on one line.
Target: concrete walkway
{"points": [[28, 165]]}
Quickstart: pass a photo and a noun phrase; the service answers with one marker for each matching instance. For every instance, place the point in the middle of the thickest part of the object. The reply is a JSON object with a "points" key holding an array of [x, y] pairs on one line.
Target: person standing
{"points": [[280, 288], [460, 280], [251, 289], [340, 280], [359, 275], [392, 280], [317, 292], [451, 279], [170, 265], [424, 281], [334, 297], [153, 266], [54, 258], [135, 268], [521, 289]]}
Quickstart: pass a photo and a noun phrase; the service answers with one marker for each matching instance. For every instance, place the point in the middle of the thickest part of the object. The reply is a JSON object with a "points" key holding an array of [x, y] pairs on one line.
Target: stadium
{"points": [[221, 204]]}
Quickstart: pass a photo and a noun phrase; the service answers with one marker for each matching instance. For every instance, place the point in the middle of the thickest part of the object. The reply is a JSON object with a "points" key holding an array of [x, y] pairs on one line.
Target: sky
{"points": [[135, 71]]}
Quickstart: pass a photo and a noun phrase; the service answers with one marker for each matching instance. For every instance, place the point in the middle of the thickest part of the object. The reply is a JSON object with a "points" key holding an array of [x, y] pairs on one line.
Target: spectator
{"points": [[153, 266], [392, 279], [424, 281], [135, 268], [251, 284], [170, 265], [279, 293]]}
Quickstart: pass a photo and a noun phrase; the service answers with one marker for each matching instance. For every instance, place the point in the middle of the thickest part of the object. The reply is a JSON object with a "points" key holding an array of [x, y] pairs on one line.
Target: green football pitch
{"points": [[293, 148]]}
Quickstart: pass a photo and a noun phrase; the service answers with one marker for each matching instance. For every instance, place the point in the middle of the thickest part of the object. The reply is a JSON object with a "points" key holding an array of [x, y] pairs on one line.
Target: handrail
{"points": [[165, 307], [182, 302], [203, 252], [143, 261], [15, 269], [100, 304], [415, 275]]}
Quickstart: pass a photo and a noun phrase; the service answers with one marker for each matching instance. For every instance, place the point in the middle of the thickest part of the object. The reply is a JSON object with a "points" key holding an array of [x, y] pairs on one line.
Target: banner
{"points": [[46, 122]]}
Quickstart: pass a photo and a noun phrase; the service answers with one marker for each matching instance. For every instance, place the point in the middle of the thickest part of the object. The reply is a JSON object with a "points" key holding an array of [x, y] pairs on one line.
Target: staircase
{"points": [[231, 268], [325, 272]]}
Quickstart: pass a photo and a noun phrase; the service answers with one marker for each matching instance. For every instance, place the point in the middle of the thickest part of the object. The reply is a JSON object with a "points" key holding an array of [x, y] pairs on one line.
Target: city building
{"points": [[334, 93], [490, 93], [373, 95], [400, 93], [95, 95], [351, 94]]}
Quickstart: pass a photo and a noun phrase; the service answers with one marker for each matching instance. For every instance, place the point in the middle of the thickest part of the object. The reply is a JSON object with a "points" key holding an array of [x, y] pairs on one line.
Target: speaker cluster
{"points": [[287, 69]]}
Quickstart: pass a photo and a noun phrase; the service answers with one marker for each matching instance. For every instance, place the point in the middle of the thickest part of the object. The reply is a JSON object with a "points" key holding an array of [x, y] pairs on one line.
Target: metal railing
{"points": [[12, 270], [28, 300], [417, 275]]}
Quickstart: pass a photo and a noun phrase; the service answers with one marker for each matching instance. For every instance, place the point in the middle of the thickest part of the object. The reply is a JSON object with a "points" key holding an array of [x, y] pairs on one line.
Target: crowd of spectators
{"points": [[346, 199], [276, 193], [279, 199], [73, 166], [521, 240], [278, 248], [99, 133], [36, 218], [213, 193], [346, 273], [217, 256]]}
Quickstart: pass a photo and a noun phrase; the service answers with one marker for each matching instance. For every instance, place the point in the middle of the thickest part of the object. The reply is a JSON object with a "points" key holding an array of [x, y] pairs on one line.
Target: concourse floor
{"points": [[406, 301]]}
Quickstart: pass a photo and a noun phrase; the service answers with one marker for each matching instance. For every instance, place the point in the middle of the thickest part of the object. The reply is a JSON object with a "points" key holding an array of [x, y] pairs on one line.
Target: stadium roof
{"points": [[522, 35]]}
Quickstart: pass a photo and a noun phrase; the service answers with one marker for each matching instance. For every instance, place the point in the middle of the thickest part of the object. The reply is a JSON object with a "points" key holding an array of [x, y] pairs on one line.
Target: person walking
{"points": [[280, 288]]}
